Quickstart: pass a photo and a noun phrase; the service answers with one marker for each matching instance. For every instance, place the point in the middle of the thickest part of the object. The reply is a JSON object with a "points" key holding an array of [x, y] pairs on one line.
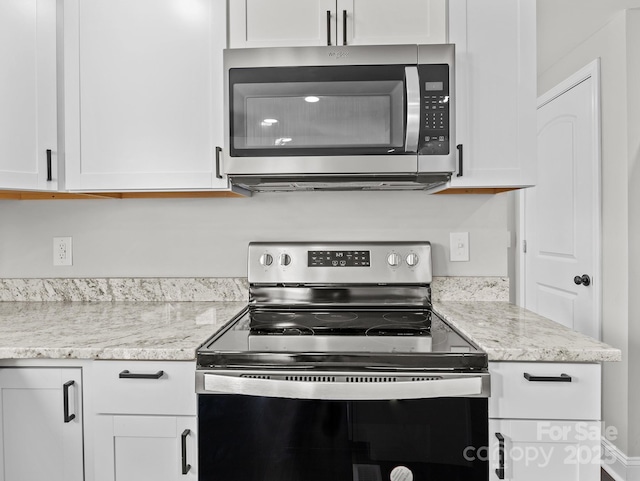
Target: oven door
{"points": [[251, 437]]}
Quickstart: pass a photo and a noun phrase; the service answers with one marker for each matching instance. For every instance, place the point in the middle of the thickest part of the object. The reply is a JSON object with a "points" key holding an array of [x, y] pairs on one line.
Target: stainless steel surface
{"points": [[442, 54], [342, 386], [413, 109], [313, 56], [404, 171], [248, 184], [379, 271]]}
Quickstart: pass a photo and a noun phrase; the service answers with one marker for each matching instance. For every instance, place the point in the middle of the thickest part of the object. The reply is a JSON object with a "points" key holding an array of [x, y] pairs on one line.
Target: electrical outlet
{"points": [[62, 251], [459, 246]]}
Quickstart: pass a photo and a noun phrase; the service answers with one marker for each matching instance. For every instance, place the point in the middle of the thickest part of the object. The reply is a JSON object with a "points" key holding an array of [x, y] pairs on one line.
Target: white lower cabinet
{"points": [[144, 423], [135, 448], [544, 421], [41, 424], [544, 450]]}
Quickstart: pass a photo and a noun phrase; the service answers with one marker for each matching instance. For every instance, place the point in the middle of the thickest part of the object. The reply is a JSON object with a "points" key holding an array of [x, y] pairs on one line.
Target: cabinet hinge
{"points": [[524, 246]]}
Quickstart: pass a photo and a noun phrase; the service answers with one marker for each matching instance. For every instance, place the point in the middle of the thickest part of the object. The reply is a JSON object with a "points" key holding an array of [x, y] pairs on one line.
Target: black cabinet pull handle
{"points": [[132, 375], [344, 27], [500, 469], [218, 152], [561, 378], [329, 28], [49, 175], [185, 467], [460, 160], [65, 401]]}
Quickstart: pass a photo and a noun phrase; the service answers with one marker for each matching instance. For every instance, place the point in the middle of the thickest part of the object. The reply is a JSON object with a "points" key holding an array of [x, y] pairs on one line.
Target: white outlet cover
{"points": [[62, 251]]}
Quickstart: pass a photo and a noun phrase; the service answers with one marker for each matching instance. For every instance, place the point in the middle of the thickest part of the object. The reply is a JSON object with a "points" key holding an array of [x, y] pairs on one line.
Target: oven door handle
{"points": [[345, 391], [412, 86]]}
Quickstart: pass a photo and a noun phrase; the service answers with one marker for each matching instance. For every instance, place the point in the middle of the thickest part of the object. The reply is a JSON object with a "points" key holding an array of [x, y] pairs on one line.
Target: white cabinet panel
{"points": [[133, 448], [40, 438], [380, 22], [28, 94], [289, 23], [281, 23], [513, 396], [545, 450], [495, 91], [143, 94], [144, 387]]}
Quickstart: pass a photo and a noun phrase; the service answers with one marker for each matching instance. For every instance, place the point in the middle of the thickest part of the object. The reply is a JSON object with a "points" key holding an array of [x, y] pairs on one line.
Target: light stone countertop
{"points": [[509, 333], [110, 330], [148, 330]]}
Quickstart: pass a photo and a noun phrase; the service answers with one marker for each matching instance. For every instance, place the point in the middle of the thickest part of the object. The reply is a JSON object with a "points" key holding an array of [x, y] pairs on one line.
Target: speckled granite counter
{"points": [[174, 330], [509, 333], [109, 330]]}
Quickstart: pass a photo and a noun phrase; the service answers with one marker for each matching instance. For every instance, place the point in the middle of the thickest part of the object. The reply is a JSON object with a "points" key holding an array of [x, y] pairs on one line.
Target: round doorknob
{"points": [[585, 280]]}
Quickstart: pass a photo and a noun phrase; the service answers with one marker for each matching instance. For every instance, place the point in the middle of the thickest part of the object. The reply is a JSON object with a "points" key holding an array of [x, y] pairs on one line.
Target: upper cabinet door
{"points": [[281, 23], [381, 22], [143, 94], [296, 23], [28, 94], [495, 91]]}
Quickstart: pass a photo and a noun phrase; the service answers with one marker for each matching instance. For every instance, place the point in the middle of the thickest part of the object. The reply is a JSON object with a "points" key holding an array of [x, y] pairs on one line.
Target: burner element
{"points": [[405, 317], [397, 330], [336, 316]]}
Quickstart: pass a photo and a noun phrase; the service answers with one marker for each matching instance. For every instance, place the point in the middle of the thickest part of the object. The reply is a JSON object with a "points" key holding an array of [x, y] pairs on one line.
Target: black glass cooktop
{"points": [[340, 338]]}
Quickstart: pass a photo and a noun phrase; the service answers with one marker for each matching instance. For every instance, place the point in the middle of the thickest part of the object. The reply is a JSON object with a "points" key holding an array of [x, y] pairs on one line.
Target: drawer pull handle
{"points": [[65, 401], [133, 375], [561, 378], [500, 469], [185, 467]]}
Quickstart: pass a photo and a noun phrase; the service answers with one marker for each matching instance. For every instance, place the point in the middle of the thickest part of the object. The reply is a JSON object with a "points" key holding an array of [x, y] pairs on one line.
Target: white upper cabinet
{"points": [[28, 94], [289, 23], [143, 94], [495, 91]]}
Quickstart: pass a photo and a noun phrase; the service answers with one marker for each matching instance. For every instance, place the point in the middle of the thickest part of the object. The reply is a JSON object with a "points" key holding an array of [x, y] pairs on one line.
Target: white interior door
{"points": [[562, 213]]}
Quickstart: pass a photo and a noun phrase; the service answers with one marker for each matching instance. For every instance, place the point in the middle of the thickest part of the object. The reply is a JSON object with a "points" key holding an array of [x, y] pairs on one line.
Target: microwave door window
{"points": [[310, 118]]}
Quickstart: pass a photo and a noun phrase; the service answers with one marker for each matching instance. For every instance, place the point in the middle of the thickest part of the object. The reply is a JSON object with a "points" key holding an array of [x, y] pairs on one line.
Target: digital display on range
{"points": [[339, 258]]}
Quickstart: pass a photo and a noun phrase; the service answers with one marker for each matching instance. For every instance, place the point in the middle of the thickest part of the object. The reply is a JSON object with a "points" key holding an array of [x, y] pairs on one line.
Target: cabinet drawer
{"points": [[547, 394], [144, 387]]}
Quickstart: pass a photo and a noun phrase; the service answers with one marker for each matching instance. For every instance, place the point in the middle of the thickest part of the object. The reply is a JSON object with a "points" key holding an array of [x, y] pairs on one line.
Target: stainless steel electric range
{"points": [[338, 368]]}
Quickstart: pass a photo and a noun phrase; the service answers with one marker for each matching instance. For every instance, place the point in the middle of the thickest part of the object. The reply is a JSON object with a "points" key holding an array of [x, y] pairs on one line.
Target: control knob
{"points": [[266, 260], [285, 259], [412, 260], [393, 259]]}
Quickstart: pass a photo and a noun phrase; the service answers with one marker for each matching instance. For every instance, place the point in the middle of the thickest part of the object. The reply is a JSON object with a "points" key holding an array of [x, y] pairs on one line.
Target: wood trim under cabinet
{"points": [[477, 190], [29, 195]]}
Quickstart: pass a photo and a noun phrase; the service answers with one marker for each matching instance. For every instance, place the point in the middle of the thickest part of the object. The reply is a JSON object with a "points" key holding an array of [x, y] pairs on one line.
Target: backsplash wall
{"points": [[209, 237]]}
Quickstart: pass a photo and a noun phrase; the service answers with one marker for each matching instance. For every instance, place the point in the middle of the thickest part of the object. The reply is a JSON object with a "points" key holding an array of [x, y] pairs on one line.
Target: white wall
{"points": [[208, 237], [620, 209]]}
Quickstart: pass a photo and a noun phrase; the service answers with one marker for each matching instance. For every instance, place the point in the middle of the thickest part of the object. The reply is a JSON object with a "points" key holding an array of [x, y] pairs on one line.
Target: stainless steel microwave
{"points": [[347, 118]]}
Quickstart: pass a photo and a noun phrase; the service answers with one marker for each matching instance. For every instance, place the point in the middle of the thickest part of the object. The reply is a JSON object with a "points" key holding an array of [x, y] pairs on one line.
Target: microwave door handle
{"points": [[412, 85], [221, 384]]}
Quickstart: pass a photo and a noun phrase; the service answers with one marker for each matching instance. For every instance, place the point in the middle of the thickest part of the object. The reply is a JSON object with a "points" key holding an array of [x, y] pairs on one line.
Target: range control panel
{"points": [[336, 263]]}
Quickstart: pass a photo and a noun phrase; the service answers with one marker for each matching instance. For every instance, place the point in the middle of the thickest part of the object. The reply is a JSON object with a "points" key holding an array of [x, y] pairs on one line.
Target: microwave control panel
{"points": [[435, 136]]}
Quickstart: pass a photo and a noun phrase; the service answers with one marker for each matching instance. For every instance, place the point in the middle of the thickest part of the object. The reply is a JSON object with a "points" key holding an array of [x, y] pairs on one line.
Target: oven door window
{"points": [[295, 111], [270, 439]]}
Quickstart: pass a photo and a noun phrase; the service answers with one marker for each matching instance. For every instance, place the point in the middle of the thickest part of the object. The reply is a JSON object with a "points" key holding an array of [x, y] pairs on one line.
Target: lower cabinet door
{"points": [[41, 424], [138, 448], [544, 450]]}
